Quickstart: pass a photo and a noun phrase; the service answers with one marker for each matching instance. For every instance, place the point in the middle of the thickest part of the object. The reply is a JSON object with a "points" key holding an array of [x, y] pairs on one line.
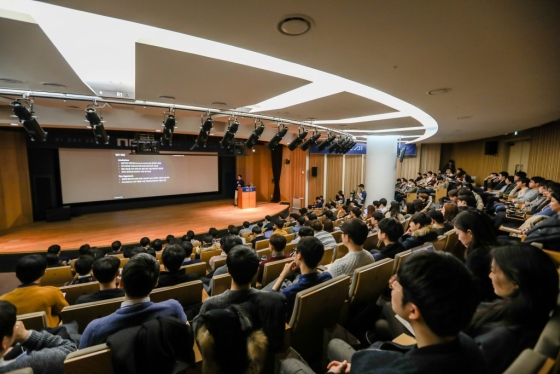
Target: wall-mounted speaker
{"points": [[491, 148], [287, 161], [314, 171]]}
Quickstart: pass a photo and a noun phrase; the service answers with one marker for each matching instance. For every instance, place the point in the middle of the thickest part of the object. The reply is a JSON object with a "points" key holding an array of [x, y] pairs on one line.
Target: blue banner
{"points": [[361, 148]]}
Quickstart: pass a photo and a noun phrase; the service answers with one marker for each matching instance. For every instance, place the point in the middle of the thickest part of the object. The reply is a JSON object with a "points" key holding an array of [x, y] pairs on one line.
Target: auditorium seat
{"points": [[340, 251], [21, 371], [206, 256], [71, 293], [199, 269], [87, 312], [327, 257], [440, 242], [91, 360], [250, 245], [440, 193], [337, 236], [264, 252], [315, 309], [290, 247], [322, 218], [399, 258], [273, 269], [288, 230], [405, 224], [290, 237], [220, 283], [57, 276], [119, 255], [187, 294], [549, 340], [451, 242], [369, 282], [530, 362], [371, 242], [124, 261], [262, 244], [34, 321], [220, 262]]}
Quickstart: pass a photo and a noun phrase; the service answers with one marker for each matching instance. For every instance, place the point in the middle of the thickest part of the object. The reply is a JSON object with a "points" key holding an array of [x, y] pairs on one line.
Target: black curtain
{"points": [[276, 157]]}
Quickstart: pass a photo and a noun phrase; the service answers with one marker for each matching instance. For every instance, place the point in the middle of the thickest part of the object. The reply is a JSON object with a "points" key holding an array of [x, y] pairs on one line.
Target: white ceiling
{"points": [[500, 58]]}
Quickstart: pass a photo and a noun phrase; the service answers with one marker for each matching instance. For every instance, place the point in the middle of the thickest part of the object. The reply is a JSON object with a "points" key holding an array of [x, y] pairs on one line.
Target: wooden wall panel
{"points": [[15, 192], [316, 184], [544, 154], [430, 155], [470, 156], [334, 176], [410, 165], [256, 168], [353, 172], [292, 180]]}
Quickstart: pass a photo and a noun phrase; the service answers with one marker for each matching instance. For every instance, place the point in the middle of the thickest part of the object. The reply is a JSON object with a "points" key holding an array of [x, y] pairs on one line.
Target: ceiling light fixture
{"points": [[299, 139], [96, 123], [169, 125], [464, 117], [28, 119], [389, 130], [277, 138], [205, 128], [326, 142], [10, 81], [335, 146], [227, 140], [164, 97], [50, 84], [294, 26], [439, 91], [311, 141], [255, 135]]}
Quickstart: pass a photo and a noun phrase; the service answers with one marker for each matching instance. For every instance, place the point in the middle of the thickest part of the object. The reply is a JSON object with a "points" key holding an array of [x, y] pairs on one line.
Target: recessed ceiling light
{"points": [[73, 106], [294, 26], [158, 130], [164, 97], [439, 91], [219, 103], [342, 125], [11, 81], [14, 124], [50, 84], [464, 117]]}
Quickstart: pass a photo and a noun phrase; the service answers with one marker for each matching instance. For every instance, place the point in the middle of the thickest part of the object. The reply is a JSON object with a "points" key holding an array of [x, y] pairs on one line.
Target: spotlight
{"points": [[254, 138], [326, 142], [27, 119], [298, 140], [227, 140], [309, 142], [169, 126], [350, 143], [205, 129], [96, 124], [334, 147], [276, 139]]}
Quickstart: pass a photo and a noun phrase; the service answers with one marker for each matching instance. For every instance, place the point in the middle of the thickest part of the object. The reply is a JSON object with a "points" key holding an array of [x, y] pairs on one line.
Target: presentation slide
{"points": [[97, 175]]}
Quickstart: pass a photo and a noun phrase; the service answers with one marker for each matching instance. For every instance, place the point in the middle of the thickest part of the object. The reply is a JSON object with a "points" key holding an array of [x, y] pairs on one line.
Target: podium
{"points": [[247, 197]]}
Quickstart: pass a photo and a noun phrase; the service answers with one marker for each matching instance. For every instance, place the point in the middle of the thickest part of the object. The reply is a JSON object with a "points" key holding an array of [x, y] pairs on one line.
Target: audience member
{"points": [[305, 231], [326, 238], [389, 232], [228, 243], [257, 236], [277, 244], [188, 248], [29, 296], [420, 231], [106, 272], [278, 227], [449, 211], [83, 267], [409, 210], [354, 234], [139, 277], [172, 257], [207, 245], [439, 222], [145, 242], [328, 225], [395, 211], [53, 261], [245, 229], [116, 246], [61, 260], [157, 245], [169, 238]]}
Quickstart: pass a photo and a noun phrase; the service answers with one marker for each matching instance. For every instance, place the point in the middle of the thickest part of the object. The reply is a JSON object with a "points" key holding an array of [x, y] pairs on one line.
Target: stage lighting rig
{"points": [[169, 125], [27, 118], [254, 138], [334, 147], [205, 128], [96, 123], [326, 142], [298, 140], [227, 140], [309, 142], [276, 139]]}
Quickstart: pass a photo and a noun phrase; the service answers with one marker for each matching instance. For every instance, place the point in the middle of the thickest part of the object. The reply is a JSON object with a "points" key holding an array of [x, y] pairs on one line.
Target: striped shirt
{"points": [[326, 238]]}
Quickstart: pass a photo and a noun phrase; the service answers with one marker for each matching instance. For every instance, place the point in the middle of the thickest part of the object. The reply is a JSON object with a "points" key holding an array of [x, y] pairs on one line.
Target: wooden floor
{"points": [[130, 225]]}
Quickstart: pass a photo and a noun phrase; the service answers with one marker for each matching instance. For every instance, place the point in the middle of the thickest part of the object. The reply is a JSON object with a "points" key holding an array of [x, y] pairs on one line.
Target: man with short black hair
{"points": [[309, 253], [389, 232], [374, 221], [172, 258], [279, 227], [116, 246], [106, 272], [276, 244], [145, 242], [157, 245], [29, 296], [292, 218], [354, 234], [245, 229], [139, 277], [305, 231], [299, 224], [61, 260], [41, 351], [207, 245], [188, 247], [438, 221], [268, 224], [227, 243], [83, 269], [85, 250], [257, 236], [324, 237]]}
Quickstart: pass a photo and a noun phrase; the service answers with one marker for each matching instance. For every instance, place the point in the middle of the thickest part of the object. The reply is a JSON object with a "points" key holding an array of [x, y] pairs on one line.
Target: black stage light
{"points": [[335, 146], [227, 140], [344, 145], [298, 140], [326, 143], [27, 118], [96, 124], [254, 138], [204, 132], [276, 139], [309, 142], [169, 126]]}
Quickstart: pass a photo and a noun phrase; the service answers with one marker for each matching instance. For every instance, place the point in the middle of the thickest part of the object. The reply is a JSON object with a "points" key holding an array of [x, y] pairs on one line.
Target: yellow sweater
{"points": [[279, 232], [34, 298]]}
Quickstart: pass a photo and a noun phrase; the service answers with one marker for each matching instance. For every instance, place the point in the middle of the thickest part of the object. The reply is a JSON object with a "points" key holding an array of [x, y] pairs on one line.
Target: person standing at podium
{"points": [[240, 183]]}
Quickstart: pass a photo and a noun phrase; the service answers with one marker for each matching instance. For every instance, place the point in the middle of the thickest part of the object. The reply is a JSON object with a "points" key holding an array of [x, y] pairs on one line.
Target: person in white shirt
{"points": [[354, 235]]}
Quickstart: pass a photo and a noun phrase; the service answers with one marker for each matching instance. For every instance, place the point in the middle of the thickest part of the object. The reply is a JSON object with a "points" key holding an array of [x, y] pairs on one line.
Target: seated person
{"points": [[116, 247], [228, 242], [106, 272], [83, 267], [145, 242], [53, 261], [232, 230], [245, 229], [395, 211], [383, 205], [157, 245], [420, 231], [139, 277], [305, 231], [29, 296], [169, 238], [465, 200], [310, 216], [62, 260], [355, 212], [257, 236], [292, 218], [300, 220], [223, 255], [438, 222], [41, 351], [343, 212], [172, 258], [278, 227], [434, 293], [354, 235], [525, 279], [268, 224], [188, 248], [325, 237], [373, 221], [277, 244], [309, 252], [131, 251], [270, 308], [389, 232], [207, 245], [478, 199], [547, 232]]}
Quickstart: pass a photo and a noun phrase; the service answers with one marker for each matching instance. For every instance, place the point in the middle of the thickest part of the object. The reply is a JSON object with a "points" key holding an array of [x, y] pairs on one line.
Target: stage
{"points": [[129, 226]]}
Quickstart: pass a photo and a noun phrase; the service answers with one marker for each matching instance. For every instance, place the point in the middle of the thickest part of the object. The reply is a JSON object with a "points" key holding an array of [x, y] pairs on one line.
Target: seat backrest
{"points": [[554, 256], [246, 235], [220, 283], [290, 237], [441, 192], [452, 240], [199, 269], [288, 230], [158, 256], [34, 321], [340, 251], [95, 359], [264, 252], [371, 242], [219, 262], [322, 218], [189, 293], [440, 243], [369, 282], [315, 309], [530, 362], [124, 261], [327, 256], [405, 224], [337, 235], [57, 276], [549, 340], [118, 255], [71, 293], [399, 258], [290, 248], [21, 371], [411, 196], [87, 312], [273, 269], [249, 244], [206, 256], [261, 244]]}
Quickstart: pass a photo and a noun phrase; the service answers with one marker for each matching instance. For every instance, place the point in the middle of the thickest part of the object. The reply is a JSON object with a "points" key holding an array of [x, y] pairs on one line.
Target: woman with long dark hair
{"points": [[408, 210], [395, 211], [526, 280], [449, 211], [475, 231]]}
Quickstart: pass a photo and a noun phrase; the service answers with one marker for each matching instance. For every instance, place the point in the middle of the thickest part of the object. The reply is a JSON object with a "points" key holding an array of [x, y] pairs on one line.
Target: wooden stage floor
{"points": [[129, 226]]}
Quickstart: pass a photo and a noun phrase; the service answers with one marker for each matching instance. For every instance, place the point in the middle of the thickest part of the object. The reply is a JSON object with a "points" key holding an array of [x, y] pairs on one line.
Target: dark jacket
{"points": [[389, 251], [479, 263], [547, 233], [446, 227], [168, 278], [419, 237]]}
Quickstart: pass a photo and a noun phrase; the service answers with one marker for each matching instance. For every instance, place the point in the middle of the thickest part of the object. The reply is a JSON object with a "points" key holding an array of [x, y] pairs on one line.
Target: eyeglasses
{"points": [[392, 281]]}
